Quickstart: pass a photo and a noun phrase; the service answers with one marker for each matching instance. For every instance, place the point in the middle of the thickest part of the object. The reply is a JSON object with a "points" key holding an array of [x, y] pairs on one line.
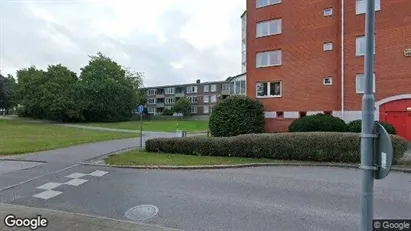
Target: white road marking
{"points": [[49, 186], [76, 175], [76, 182], [98, 173], [47, 194]]}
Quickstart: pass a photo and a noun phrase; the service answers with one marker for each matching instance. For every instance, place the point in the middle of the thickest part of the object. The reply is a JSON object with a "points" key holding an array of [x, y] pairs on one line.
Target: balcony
{"points": [[160, 105], [180, 94], [160, 95]]}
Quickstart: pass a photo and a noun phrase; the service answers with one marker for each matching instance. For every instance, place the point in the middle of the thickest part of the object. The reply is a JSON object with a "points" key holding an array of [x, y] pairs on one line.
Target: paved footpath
{"points": [[60, 221], [22, 170]]}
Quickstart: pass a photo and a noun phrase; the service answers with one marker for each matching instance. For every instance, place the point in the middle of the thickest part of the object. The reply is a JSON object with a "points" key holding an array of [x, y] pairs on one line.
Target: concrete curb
{"points": [[200, 167]]}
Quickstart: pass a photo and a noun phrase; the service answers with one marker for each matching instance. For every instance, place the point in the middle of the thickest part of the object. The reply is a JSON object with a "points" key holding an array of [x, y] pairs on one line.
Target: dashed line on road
{"points": [[75, 181]]}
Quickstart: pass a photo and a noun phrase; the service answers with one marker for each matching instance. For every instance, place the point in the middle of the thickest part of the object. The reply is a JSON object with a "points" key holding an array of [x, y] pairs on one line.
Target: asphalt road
{"points": [[265, 198]]}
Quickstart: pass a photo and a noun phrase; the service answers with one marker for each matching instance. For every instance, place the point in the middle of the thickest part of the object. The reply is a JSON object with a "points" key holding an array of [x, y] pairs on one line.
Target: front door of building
{"points": [[399, 121], [408, 126]]}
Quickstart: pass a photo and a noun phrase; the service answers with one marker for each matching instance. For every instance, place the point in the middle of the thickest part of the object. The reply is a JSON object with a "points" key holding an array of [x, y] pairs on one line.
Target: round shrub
{"points": [[355, 126], [237, 115], [318, 123]]}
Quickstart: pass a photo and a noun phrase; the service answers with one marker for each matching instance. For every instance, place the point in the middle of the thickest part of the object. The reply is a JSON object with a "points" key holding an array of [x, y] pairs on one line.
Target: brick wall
{"points": [[305, 64]]}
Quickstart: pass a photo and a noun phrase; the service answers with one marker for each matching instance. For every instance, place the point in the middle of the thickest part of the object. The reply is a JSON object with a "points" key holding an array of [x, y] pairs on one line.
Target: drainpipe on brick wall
{"points": [[342, 59]]}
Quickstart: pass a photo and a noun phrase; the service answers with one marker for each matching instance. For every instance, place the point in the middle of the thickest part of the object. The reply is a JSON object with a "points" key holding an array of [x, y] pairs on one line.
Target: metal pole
{"points": [[367, 137], [141, 130]]}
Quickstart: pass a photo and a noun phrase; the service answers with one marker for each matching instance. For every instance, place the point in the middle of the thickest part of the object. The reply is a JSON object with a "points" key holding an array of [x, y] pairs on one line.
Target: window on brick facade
{"points": [[360, 83], [206, 109], [170, 90], [280, 114], [206, 88], [361, 6], [206, 99], [151, 101], [328, 46], [268, 89], [170, 100], [266, 28], [360, 46], [192, 89], [213, 98], [194, 109], [328, 12], [263, 3], [268, 58], [192, 99], [152, 92], [213, 88], [327, 81], [303, 114], [151, 110]]}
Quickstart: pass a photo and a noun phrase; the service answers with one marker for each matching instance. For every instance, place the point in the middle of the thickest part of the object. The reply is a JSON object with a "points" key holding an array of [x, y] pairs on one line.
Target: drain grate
{"points": [[141, 212]]}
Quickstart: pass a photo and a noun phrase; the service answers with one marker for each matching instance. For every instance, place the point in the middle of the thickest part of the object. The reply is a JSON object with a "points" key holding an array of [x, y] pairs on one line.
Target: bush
{"points": [[168, 112], [355, 126], [237, 115], [318, 123], [304, 146]]}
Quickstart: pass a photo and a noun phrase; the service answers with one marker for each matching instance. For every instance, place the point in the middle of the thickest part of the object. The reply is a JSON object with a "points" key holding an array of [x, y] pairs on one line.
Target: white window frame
{"points": [[267, 55], [264, 3], [170, 90], [213, 98], [269, 90], [152, 92], [206, 111], [358, 78], [328, 46], [206, 97], [192, 89], [328, 12], [359, 43], [151, 110], [206, 88], [154, 101], [169, 100], [263, 28], [328, 84], [213, 88], [361, 6], [194, 109], [192, 99]]}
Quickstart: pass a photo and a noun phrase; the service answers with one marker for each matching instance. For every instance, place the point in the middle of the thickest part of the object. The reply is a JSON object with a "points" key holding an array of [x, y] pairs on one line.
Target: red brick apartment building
{"points": [[307, 56]]}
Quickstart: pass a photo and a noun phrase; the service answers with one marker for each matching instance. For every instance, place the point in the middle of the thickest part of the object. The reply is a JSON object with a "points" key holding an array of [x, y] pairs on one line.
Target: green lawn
{"points": [[18, 137], [158, 125], [137, 157]]}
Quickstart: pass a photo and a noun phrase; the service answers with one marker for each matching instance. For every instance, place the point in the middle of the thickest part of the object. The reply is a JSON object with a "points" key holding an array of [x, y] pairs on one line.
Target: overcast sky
{"points": [[171, 41]]}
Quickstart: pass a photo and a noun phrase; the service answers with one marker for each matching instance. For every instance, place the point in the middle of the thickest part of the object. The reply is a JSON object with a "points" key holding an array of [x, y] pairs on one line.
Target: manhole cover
{"points": [[141, 212]]}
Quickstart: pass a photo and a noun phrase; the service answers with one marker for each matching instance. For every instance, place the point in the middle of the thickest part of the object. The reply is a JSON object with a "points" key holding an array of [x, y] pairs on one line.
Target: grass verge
{"points": [[158, 125], [138, 157], [17, 136]]}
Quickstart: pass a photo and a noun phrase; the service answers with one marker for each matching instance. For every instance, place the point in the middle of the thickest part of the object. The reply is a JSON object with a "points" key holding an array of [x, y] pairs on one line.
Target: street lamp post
{"points": [[367, 132]]}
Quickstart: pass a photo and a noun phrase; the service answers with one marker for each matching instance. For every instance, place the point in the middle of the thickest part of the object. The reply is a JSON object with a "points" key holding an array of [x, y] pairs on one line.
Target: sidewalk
{"points": [[62, 221]]}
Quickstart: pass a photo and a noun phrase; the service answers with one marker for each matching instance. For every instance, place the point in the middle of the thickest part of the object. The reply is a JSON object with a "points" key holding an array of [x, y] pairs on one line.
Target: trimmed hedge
{"points": [[304, 146], [237, 115], [355, 126], [318, 123]]}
